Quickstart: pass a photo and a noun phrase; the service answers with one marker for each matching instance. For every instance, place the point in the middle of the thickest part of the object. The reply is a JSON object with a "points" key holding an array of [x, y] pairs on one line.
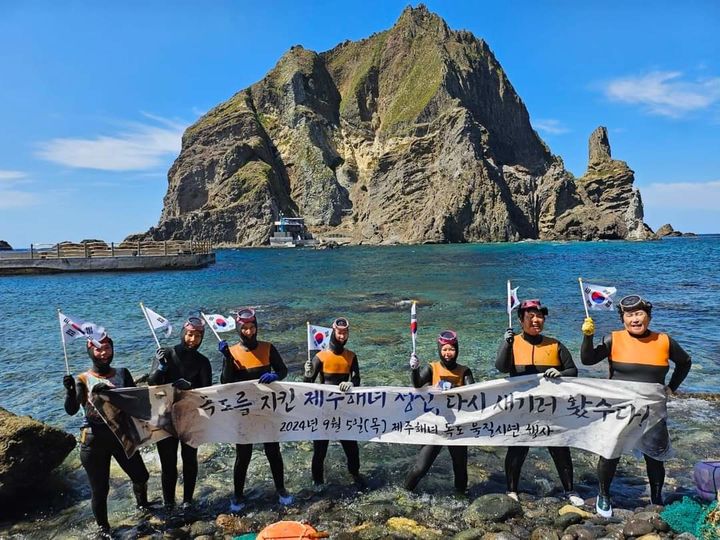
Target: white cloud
{"points": [[16, 199], [682, 195], [550, 125], [665, 92], [141, 146], [12, 175]]}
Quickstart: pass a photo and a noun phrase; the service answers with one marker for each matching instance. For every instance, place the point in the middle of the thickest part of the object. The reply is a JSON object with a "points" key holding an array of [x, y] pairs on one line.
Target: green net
{"points": [[688, 515]]}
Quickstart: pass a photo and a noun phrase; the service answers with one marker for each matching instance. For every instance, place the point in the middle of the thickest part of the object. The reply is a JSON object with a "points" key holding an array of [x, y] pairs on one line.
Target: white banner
{"points": [[604, 417]]}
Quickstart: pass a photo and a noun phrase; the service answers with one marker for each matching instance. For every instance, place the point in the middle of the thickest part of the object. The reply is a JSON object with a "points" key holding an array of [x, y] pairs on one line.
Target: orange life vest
{"points": [[336, 364], [651, 350], [441, 373], [245, 359], [545, 354]]}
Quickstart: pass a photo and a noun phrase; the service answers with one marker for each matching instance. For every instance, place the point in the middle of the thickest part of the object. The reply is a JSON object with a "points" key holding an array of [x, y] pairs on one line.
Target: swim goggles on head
{"points": [[194, 323], [246, 315], [341, 322], [447, 337], [633, 302]]}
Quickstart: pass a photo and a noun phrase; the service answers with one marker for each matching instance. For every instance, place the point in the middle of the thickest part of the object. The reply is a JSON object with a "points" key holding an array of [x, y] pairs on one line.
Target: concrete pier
{"points": [[145, 256]]}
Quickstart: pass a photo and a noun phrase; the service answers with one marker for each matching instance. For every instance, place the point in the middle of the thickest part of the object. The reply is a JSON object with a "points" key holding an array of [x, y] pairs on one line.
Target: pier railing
{"points": [[66, 250]]}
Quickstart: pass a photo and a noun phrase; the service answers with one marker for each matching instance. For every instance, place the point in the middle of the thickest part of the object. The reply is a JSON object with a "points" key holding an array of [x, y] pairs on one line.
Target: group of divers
{"points": [[634, 353]]}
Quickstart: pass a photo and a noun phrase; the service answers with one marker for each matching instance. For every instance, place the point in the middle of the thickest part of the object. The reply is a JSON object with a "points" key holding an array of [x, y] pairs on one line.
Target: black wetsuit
{"points": [[350, 371], [429, 452], [99, 444], [515, 457], [590, 355], [182, 362], [233, 371]]}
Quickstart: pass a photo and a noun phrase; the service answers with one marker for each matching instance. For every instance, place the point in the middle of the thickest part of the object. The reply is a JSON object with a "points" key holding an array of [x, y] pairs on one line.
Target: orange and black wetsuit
{"points": [[181, 362], [98, 444], [247, 361], [334, 366], [450, 375], [644, 358], [528, 355]]}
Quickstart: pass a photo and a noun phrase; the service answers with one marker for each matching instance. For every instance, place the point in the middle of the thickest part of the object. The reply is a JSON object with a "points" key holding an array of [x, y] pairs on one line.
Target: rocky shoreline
{"points": [[379, 510]]}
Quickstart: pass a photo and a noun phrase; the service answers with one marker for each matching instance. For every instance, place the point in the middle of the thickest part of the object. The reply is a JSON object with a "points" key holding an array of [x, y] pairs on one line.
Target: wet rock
{"points": [[637, 527], [685, 536], [176, 534], [469, 534], [495, 507], [29, 451], [233, 525], [378, 512], [651, 536], [544, 533], [202, 528], [570, 509], [503, 535], [567, 537], [579, 532], [565, 520], [320, 509], [401, 525]]}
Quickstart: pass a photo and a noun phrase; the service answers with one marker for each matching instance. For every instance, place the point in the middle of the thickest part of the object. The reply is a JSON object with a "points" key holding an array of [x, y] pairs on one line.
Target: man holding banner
{"points": [[184, 364], [528, 353], [335, 365], [252, 360], [637, 354]]}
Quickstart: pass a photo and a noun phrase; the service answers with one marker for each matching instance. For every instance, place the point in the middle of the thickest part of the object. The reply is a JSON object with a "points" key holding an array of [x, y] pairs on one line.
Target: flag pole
{"points": [[582, 293], [150, 325], [211, 326], [62, 338], [509, 304], [307, 333], [413, 311]]}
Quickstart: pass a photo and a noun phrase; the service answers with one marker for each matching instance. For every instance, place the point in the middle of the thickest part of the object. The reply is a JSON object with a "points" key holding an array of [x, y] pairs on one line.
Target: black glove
{"points": [[509, 335], [161, 358], [182, 384], [101, 387], [69, 383]]}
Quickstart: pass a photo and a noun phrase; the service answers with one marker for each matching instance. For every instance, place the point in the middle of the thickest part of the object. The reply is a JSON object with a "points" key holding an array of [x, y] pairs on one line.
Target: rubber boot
{"points": [[140, 491]]}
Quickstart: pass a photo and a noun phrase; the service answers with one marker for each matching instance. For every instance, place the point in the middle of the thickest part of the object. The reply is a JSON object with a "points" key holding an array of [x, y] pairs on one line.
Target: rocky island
{"points": [[412, 135]]}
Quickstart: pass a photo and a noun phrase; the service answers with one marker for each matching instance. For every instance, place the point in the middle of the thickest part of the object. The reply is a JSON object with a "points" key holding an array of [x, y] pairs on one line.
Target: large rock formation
{"points": [[4, 246], [412, 135], [29, 450]]}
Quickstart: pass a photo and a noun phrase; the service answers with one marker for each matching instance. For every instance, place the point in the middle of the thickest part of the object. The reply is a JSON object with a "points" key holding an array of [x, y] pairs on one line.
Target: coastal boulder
{"points": [[667, 230], [4, 246], [29, 450]]}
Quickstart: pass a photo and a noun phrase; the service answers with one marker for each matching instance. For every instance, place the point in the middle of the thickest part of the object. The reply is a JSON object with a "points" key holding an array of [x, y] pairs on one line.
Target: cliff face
{"points": [[412, 135]]}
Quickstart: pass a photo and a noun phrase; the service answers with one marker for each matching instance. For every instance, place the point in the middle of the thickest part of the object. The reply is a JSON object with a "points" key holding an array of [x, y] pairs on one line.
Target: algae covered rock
{"points": [[29, 451], [494, 507]]}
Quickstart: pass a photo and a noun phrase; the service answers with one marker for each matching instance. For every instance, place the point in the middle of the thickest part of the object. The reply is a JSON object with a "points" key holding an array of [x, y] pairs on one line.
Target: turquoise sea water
{"points": [[457, 286], [461, 287]]}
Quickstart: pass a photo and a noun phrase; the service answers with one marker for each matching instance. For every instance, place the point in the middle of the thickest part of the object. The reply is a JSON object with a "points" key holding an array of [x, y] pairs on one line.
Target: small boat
{"points": [[291, 232]]}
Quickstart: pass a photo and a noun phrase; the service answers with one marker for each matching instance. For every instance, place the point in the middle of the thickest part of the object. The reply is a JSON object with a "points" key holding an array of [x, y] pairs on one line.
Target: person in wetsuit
{"points": [[637, 354], [97, 442], [533, 353], [337, 365], [253, 360], [444, 374], [184, 365]]}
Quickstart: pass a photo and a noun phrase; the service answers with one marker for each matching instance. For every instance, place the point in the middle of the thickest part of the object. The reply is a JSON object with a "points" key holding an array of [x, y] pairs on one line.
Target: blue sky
{"points": [[94, 96]]}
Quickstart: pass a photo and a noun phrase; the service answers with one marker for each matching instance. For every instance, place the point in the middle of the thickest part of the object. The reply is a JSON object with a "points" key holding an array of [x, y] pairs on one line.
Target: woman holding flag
{"points": [[637, 354], [98, 444], [532, 353], [443, 374], [185, 366], [335, 365]]}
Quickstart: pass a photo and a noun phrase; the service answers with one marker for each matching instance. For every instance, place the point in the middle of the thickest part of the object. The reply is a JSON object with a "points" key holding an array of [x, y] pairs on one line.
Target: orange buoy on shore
{"points": [[290, 530]]}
